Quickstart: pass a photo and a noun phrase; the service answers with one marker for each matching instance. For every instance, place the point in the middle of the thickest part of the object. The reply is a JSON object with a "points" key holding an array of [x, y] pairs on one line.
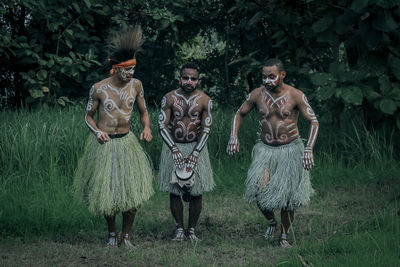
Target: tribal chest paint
{"points": [[186, 117], [276, 124]]}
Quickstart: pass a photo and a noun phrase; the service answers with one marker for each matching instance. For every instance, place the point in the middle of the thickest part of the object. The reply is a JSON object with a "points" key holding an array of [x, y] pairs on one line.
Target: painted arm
{"points": [[206, 122], [144, 115], [93, 104], [308, 113], [245, 108], [163, 121]]}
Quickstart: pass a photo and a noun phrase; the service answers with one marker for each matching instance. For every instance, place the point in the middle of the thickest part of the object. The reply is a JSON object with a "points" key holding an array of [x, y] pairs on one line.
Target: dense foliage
{"points": [[344, 54]]}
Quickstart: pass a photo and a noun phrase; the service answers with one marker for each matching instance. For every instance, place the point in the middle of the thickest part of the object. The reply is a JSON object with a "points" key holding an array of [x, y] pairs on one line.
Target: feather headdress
{"points": [[125, 44]]}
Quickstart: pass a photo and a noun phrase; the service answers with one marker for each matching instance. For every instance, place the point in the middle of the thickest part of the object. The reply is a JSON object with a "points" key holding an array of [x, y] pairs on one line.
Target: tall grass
{"points": [[40, 150]]}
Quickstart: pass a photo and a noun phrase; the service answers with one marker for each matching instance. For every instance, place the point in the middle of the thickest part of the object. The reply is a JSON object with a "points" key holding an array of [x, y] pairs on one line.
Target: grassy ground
{"points": [[351, 221]]}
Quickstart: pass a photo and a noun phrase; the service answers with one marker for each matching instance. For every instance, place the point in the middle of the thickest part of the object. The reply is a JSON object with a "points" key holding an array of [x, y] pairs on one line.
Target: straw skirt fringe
{"points": [[276, 178], [203, 180], [115, 176]]}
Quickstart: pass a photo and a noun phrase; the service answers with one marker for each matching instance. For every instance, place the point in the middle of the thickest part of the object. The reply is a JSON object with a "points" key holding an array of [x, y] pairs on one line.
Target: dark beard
{"points": [[188, 89], [271, 87]]}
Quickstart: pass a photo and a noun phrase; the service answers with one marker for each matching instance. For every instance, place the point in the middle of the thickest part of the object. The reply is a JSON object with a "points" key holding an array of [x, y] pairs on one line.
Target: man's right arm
{"points": [[245, 108], [163, 121], [93, 104]]}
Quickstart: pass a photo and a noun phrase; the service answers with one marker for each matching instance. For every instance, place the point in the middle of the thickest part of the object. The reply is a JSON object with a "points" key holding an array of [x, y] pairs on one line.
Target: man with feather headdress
{"points": [[114, 173]]}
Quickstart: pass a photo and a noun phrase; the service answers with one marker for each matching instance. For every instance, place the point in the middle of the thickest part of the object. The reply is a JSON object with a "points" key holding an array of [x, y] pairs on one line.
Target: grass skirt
{"points": [[276, 178], [203, 175], [115, 176]]}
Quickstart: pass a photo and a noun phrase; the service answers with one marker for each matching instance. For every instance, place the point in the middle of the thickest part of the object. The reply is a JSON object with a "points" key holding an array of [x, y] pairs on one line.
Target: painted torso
{"points": [[115, 106], [278, 117], [185, 122]]}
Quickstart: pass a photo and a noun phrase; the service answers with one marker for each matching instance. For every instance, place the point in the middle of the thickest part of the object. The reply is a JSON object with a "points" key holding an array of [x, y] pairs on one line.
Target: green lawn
{"points": [[351, 221]]}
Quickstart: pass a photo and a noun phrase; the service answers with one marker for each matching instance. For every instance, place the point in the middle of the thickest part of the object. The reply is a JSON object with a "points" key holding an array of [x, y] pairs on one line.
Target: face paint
{"points": [[189, 84], [274, 82], [127, 73]]}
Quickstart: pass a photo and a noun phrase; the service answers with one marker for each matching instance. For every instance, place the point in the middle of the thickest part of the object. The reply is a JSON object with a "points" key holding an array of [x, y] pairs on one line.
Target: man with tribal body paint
{"points": [[114, 174], [184, 123], [278, 178]]}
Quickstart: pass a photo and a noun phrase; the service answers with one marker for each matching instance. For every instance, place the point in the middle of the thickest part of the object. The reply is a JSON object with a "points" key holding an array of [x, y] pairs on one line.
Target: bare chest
{"points": [[117, 100], [280, 107], [186, 108]]}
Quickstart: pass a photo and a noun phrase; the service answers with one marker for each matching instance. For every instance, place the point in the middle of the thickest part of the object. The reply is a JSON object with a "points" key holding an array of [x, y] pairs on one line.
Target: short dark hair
{"points": [[191, 65], [274, 62]]}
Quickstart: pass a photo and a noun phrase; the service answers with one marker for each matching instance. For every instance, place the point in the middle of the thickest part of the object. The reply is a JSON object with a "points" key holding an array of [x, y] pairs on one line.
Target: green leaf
{"points": [[359, 5], [41, 75], [322, 24], [398, 120], [321, 79], [387, 106], [68, 43], [255, 18], [65, 99], [69, 33], [395, 67], [50, 63], [386, 3], [232, 9], [385, 22], [326, 92], [36, 93], [239, 60], [386, 86], [88, 4], [61, 102], [77, 8], [337, 69], [344, 23], [395, 92], [352, 95]]}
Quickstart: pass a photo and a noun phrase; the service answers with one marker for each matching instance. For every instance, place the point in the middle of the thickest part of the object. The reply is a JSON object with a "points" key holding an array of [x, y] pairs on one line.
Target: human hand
{"points": [[192, 161], [233, 146], [177, 156], [102, 137], [146, 135], [308, 159]]}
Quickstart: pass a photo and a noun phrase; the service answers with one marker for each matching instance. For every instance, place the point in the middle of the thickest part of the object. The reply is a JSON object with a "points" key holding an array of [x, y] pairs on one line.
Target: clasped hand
{"points": [[181, 162]]}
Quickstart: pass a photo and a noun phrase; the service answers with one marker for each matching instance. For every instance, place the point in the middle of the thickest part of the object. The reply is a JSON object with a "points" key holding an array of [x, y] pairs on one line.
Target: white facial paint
{"points": [[268, 80], [127, 71]]}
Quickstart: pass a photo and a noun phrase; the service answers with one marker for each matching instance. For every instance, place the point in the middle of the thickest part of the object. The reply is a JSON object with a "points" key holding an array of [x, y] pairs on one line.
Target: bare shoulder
{"points": [[205, 97], [167, 99], [101, 84], [137, 84], [254, 94], [294, 92], [169, 94]]}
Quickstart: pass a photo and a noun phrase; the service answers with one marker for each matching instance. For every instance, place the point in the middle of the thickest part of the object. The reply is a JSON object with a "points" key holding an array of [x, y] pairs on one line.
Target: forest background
{"points": [[345, 56]]}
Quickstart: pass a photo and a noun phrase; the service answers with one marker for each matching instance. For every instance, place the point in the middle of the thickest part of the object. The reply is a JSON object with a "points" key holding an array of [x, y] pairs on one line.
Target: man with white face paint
{"points": [[278, 178], [185, 170], [114, 173]]}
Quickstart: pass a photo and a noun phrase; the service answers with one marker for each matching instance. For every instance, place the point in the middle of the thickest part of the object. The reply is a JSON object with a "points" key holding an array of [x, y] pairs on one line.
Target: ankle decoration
{"points": [[192, 236], [112, 239], [179, 236]]}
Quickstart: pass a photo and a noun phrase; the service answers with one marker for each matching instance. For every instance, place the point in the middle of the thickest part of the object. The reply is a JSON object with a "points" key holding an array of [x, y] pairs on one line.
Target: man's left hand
{"points": [[192, 161], [308, 159], [146, 135]]}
